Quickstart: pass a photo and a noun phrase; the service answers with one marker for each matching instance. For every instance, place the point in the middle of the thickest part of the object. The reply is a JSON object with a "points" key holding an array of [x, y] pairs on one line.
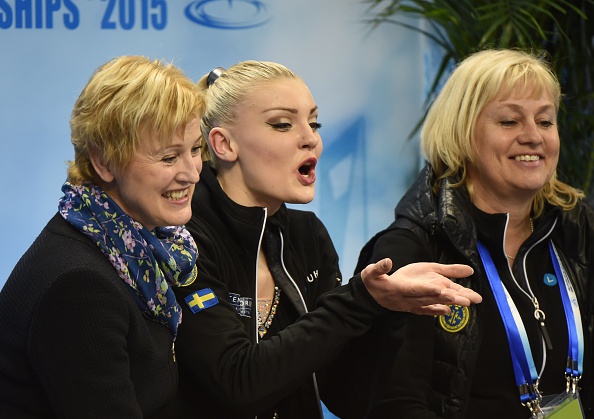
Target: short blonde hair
{"points": [[447, 137], [123, 98], [225, 94]]}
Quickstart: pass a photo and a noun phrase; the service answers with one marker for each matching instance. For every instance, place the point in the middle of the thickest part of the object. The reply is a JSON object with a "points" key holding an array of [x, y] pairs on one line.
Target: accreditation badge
{"points": [[566, 405]]}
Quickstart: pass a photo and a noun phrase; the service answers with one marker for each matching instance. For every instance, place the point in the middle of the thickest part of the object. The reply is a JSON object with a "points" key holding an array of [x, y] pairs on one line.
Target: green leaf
{"points": [[561, 27]]}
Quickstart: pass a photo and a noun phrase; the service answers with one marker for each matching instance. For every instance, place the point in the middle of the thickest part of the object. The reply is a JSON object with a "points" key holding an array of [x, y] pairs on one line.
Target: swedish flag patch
{"points": [[201, 300]]}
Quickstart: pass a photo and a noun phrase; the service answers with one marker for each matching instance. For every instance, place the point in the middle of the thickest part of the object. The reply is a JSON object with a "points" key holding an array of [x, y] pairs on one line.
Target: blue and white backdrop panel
{"points": [[367, 83]]}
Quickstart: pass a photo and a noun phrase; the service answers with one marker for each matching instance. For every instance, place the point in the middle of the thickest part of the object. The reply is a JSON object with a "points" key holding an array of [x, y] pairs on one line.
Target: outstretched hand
{"points": [[419, 288]]}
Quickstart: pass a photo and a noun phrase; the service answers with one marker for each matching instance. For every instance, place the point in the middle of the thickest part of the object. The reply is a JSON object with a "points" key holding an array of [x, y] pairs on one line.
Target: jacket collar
{"points": [[450, 214], [246, 223], [446, 215], [248, 215]]}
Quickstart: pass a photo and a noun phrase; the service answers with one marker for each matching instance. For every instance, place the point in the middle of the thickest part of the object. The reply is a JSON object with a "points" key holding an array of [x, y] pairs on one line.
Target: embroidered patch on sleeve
{"points": [[456, 320], [201, 300]]}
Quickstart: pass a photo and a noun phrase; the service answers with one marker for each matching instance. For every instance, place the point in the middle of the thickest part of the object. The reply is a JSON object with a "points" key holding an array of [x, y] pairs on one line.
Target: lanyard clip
{"points": [[531, 398], [535, 409], [572, 383]]}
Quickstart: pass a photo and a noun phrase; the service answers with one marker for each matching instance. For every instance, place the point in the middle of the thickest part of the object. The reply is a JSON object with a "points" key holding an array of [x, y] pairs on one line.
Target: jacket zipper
{"points": [[539, 314], [315, 380]]}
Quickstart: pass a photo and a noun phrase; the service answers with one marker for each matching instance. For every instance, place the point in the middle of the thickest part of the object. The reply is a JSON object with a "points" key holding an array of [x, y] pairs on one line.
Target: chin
{"points": [[301, 200], [178, 220]]}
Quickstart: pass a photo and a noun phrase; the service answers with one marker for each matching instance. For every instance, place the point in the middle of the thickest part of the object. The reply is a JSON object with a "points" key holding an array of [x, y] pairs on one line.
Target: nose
{"points": [[310, 139], [531, 133], [190, 168]]}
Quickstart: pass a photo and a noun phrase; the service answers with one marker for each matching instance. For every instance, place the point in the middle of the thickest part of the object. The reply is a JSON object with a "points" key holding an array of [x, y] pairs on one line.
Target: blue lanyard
{"points": [[575, 353], [522, 361], [521, 354]]}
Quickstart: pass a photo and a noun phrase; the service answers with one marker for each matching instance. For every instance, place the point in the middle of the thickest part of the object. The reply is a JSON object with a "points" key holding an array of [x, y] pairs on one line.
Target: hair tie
{"points": [[214, 75]]}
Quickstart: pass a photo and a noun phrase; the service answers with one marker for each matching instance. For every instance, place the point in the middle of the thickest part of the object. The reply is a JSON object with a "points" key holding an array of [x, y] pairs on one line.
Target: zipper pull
{"points": [[539, 315], [173, 351], [546, 337]]}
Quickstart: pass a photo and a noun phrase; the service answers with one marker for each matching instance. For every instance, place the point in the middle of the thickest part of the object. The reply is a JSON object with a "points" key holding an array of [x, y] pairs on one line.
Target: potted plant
{"points": [[561, 28]]}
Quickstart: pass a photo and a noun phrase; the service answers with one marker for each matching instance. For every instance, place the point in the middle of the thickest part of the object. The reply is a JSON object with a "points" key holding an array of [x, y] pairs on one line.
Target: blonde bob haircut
{"points": [[124, 98], [229, 91], [447, 137]]}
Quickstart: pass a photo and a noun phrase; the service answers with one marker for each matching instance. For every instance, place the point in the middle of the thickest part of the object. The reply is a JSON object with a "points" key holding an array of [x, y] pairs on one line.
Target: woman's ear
{"points": [[100, 167], [222, 144]]}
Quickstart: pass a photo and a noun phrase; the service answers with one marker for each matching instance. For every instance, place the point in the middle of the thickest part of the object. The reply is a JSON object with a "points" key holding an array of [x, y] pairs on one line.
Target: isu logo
{"points": [[228, 14]]}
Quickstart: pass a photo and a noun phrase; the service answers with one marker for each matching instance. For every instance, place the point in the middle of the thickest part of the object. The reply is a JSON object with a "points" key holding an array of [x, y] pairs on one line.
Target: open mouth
{"points": [[306, 169], [175, 195], [527, 157]]}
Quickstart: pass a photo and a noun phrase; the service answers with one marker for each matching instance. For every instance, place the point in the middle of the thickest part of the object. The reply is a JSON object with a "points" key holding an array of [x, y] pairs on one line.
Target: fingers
{"points": [[460, 296], [452, 271], [375, 270], [431, 310], [433, 289], [421, 288], [434, 282], [442, 296], [455, 294], [460, 301], [471, 295]]}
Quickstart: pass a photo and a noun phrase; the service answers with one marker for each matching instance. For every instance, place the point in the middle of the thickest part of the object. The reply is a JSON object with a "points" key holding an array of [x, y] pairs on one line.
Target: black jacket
{"points": [[73, 343], [225, 372], [467, 373]]}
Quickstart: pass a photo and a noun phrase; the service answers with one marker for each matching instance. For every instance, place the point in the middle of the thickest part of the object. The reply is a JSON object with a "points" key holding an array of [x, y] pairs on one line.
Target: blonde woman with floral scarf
{"points": [[88, 318]]}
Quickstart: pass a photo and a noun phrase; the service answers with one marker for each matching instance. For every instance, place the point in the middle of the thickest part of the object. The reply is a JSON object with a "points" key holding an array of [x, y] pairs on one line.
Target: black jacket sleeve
{"points": [[214, 348], [403, 383], [82, 324]]}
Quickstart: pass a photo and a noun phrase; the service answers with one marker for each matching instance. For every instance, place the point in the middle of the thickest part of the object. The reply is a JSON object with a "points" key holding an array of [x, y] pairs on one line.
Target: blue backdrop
{"points": [[368, 85]]}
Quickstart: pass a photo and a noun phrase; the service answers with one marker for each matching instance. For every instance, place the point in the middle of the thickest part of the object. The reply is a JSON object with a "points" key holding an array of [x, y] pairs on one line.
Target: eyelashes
{"points": [[513, 123], [280, 126], [286, 126], [171, 159], [315, 126]]}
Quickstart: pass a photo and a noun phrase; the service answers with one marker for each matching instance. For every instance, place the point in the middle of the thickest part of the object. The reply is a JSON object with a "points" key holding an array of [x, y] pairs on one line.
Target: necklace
{"points": [[531, 231], [268, 311]]}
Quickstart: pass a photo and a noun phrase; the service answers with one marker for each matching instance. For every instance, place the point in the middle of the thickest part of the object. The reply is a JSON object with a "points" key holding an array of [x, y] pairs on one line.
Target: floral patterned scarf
{"points": [[147, 261]]}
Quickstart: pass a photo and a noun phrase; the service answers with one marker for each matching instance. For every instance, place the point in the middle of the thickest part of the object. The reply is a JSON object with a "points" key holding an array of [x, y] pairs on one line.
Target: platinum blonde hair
{"points": [[229, 91]]}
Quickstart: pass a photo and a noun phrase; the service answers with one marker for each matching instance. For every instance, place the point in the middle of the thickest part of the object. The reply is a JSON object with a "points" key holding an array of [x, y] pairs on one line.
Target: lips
{"points": [[307, 170], [175, 195]]}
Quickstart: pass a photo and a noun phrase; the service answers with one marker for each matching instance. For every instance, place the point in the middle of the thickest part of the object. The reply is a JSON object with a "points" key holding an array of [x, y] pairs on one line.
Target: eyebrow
{"points": [[290, 110], [515, 106]]}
